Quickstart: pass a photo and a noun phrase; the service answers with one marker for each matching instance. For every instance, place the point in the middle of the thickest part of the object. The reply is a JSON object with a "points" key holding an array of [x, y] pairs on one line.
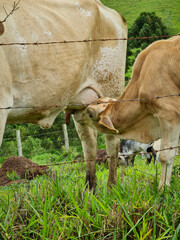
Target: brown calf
{"points": [[156, 114]]}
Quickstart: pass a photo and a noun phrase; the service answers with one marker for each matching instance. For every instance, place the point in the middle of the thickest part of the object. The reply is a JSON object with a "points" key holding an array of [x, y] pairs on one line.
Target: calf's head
{"points": [[99, 114]]}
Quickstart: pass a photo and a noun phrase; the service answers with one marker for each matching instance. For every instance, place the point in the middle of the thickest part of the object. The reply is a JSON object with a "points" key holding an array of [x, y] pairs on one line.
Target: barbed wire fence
{"points": [[63, 132], [62, 142]]}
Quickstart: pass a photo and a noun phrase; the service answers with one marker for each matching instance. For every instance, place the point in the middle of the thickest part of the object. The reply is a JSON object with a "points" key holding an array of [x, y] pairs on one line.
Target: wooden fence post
{"points": [[66, 139], [18, 137]]}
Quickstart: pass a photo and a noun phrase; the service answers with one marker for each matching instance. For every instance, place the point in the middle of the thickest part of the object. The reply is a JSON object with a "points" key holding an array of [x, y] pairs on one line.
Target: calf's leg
{"points": [[170, 129]]}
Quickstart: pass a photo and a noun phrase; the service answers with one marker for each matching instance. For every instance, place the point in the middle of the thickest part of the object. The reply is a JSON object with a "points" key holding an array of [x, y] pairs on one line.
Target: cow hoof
{"points": [[90, 184]]}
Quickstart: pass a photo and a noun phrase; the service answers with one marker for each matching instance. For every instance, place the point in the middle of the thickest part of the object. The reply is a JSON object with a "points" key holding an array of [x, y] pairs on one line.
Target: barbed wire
{"points": [[85, 105], [84, 41]]}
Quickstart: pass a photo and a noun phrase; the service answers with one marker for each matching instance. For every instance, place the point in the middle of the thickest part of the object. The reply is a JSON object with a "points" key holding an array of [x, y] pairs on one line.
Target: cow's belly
{"points": [[42, 117]]}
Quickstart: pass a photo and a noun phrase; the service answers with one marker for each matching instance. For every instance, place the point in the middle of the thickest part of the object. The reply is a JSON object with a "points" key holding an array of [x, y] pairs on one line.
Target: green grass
{"points": [[58, 207], [168, 11]]}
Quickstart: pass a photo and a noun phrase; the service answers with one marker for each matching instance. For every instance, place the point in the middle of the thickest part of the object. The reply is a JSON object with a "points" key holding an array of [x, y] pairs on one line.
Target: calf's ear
{"points": [[1, 28], [106, 122]]}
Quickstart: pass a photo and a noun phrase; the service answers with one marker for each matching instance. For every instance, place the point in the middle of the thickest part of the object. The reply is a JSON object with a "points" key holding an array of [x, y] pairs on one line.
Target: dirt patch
{"points": [[15, 169]]}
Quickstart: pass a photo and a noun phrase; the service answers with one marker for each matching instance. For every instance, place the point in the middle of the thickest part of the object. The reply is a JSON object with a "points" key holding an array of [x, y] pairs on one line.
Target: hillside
{"points": [[168, 11]]}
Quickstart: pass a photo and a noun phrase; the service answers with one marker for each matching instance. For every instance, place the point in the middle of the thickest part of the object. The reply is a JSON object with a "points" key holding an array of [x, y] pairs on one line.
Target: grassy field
{"points": [[168, 11], [58, 207]]}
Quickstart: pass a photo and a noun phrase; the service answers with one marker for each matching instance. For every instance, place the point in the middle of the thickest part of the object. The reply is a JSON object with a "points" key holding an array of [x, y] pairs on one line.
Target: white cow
{"points": [[39, 81]]}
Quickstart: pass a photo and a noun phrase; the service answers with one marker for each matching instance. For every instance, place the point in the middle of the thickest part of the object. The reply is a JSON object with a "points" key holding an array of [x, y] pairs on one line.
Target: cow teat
{"points": [[1, 28]]}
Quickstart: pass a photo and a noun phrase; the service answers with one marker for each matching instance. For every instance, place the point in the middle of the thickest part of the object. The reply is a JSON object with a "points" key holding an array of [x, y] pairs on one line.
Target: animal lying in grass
{"points": [[155, 113]]}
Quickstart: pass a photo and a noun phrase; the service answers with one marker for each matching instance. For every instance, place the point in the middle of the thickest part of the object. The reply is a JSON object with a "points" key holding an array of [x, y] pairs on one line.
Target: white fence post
{"points": [[66, 139], [18, 137]]}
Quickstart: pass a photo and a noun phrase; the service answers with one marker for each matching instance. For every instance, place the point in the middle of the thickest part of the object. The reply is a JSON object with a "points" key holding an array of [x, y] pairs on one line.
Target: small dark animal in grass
{"points": [[128, 147]]}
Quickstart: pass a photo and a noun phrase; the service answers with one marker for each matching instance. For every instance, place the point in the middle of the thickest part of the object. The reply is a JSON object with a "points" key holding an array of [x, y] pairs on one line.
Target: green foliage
{"points": [[62, 155], [8, 149], [101, 141], [146, 25], [31, 146], [130, 61], [46, 158], [37, 140]]}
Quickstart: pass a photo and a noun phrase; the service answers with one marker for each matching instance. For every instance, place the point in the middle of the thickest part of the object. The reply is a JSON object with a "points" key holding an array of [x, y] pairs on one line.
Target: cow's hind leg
{"points": [[112, 146], [170, 130], [88, 138]]}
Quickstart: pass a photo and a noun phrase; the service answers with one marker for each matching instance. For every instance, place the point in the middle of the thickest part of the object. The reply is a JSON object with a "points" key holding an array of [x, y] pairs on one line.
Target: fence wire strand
{"points": [[85, 105], [83, 41]]}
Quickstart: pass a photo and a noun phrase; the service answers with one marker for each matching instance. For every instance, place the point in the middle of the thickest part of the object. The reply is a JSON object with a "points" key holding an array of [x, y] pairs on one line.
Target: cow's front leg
{"points": [[88, 138], [170, 129], [112, 146]]}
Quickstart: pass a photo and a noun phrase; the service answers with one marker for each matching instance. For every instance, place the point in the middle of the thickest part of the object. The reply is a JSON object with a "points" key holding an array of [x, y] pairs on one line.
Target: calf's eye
{"points": [[90, 115], [91, 112]]}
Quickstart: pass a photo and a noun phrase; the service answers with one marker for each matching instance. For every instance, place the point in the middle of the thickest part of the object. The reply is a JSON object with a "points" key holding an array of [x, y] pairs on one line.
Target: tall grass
{"points": [[59, 207]]}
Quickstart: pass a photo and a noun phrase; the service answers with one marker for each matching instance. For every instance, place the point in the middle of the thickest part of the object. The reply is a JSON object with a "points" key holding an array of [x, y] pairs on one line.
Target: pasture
{"points": [[57, 206], [167, 10]]}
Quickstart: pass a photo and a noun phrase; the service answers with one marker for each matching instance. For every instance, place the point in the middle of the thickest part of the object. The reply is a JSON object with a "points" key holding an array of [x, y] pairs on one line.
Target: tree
{"points": [[146, 25]]}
